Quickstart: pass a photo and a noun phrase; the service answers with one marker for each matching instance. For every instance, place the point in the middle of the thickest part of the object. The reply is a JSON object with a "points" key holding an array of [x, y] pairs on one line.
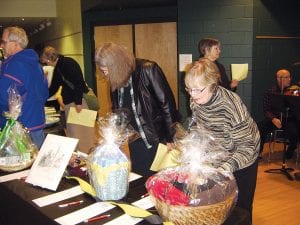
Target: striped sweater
{"points": [[229, 122]]}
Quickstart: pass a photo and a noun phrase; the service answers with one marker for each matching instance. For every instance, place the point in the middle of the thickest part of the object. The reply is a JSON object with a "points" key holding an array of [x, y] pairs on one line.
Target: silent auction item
{"points": [[196, 191], [17, 150], [108, 166]]}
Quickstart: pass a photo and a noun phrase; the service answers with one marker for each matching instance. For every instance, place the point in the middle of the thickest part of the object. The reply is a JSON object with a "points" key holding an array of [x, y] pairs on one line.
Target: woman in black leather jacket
{"points": [[140, 86]]}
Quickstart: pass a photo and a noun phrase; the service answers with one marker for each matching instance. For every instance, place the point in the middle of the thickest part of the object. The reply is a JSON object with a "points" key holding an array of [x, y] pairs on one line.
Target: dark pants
{"points": [[246, 182], [291, 132], [141, 157]]}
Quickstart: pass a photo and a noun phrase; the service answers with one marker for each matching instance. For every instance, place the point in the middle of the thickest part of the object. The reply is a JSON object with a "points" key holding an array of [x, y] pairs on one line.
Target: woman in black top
{"points": [[67, 73], [210, 48]]}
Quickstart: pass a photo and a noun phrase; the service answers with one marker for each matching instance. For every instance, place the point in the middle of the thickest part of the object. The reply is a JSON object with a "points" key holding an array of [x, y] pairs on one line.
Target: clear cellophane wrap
{"points": [[17, 150], [182, 193], [108, 166]]}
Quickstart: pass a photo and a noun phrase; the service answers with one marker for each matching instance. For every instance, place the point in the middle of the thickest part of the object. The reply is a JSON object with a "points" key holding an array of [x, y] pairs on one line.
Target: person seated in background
{"points": [[210, 48], [275, 118]]}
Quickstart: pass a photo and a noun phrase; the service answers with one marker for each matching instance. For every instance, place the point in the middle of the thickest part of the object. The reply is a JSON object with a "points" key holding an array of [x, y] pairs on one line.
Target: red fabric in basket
{"points": [[165, 191]]}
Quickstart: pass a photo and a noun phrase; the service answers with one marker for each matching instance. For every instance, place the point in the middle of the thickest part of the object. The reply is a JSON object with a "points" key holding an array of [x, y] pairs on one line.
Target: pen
{"points": [[145, 195], [70, 204], [97, 218]]}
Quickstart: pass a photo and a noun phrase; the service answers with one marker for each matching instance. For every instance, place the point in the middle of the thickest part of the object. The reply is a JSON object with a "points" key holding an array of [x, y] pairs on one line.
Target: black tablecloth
{"points": [[17, 207]]}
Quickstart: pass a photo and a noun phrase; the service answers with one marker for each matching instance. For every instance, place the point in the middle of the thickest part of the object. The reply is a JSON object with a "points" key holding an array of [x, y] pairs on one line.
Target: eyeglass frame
{"points": [[195, 90]]}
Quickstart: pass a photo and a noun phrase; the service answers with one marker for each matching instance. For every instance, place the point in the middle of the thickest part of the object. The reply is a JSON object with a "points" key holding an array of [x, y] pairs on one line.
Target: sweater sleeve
{"points": [[245, 136]]}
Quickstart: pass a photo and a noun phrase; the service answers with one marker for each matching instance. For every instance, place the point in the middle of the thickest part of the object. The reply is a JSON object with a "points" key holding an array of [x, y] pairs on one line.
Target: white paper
{"points": [[124, 220], [134, 176], [86, 117], [184, 60], [144, 203], [85, 213], [59, 196], [14, 176], [51, 162], [239, 71]]}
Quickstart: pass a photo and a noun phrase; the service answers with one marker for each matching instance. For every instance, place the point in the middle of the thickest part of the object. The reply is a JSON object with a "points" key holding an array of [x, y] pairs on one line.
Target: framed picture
{"points": [[51, 162]]}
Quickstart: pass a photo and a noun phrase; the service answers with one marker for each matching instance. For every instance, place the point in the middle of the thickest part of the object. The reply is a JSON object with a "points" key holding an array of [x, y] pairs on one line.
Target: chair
{"points": [[277, 136]]}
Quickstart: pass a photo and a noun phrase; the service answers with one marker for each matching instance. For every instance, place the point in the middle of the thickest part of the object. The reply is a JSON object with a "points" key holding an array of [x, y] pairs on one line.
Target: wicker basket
{"points": [[214, 214], [19, 166]]}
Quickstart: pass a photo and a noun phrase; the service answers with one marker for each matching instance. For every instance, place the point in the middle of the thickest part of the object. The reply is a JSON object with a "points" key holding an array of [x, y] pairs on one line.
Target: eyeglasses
{"points": [[3, 42], [195, 90]]}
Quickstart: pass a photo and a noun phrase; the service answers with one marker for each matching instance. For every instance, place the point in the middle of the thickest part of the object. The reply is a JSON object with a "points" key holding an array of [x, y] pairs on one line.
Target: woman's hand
{"points": [[170, 146], [234, 84], [78, 108]]}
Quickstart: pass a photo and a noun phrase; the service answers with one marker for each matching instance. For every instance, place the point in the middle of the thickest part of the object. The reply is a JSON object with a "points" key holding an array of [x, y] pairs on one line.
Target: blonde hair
{"points": [[119, 62], [202, 73], [18, 35], [49, 53]]}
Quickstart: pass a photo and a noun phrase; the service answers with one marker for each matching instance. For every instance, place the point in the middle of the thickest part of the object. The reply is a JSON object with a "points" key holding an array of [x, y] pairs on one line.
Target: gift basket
{"points": [[17, 150], [196, 191], [108, 167]]}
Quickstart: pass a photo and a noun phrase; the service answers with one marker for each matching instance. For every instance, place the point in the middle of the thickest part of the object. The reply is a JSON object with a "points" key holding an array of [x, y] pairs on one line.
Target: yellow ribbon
{"points": [[85, 186], [103, 172], [127, 208]]}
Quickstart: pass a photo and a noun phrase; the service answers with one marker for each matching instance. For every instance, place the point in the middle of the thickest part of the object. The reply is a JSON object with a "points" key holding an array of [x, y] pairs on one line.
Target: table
{"points": [[17, 207]]}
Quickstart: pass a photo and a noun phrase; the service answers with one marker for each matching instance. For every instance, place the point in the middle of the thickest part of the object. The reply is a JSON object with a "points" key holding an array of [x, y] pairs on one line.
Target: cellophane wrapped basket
{"points": [[17, 150], [196, 192], [108, 166]]}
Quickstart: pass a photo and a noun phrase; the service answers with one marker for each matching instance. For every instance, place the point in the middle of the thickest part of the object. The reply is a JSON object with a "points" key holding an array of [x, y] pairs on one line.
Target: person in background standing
{"points": [[140, 86], [225, 116], [210, 48], [21, 68], [67, 74]]}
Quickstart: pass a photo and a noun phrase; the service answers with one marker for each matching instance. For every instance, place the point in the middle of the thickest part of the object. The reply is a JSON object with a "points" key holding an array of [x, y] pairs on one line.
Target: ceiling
{"points": [[29, 24]]}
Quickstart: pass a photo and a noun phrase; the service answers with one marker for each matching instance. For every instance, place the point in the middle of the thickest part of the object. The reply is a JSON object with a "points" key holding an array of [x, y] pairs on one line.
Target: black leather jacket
{"points": [[154, 100]]}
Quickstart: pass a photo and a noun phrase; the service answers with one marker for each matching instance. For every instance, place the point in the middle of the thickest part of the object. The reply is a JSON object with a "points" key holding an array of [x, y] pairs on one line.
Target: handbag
{"points": [[91, 99]]}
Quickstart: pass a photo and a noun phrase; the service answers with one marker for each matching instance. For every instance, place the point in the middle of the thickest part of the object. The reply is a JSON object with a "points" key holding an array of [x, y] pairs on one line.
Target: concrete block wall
{"points": [[230, 21], [274, 19]]}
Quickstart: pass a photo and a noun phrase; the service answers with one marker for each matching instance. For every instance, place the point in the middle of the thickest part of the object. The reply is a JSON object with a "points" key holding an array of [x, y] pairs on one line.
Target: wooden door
{"points": [[158, 42]]}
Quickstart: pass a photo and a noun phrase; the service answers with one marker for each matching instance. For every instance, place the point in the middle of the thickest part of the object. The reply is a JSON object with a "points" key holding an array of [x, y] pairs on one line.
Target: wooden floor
{"points": [[277, 199]]}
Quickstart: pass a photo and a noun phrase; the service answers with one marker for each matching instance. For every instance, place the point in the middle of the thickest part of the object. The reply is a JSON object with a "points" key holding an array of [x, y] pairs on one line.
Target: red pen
{"points": [[97, 218], [23, 178], [70, 204], [145, 195]]}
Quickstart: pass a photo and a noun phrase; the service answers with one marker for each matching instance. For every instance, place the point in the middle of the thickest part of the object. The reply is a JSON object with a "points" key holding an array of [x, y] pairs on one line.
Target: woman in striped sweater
{"points": [[224, 115]]}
